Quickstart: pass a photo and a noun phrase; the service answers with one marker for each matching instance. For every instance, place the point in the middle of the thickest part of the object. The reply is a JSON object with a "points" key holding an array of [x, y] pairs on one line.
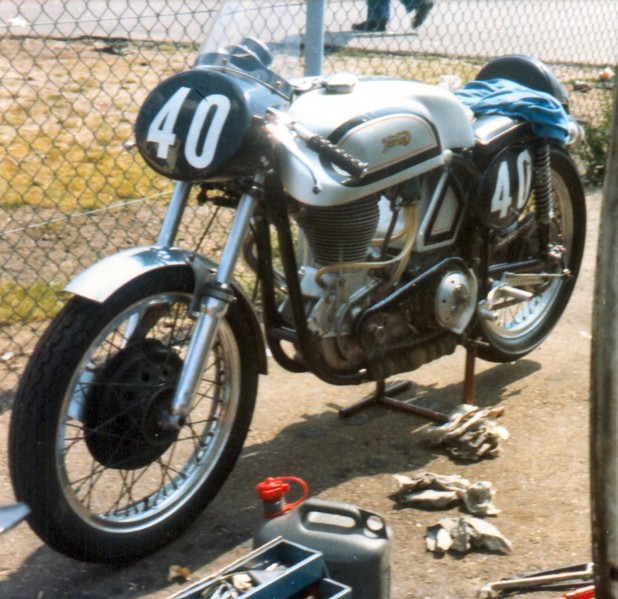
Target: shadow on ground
{"points": [[323, 449]]}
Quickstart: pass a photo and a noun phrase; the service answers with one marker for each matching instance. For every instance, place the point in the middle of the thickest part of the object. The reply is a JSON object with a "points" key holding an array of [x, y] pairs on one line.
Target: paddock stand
{"points": [[386, 394]]}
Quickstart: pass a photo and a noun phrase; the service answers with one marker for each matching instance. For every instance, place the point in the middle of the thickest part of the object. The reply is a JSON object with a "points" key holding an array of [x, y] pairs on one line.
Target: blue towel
{"points": [[545, 113]]}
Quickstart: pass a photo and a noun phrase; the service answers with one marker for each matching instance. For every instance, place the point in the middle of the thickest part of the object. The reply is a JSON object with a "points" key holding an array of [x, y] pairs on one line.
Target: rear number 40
{"points": [[211, 111], [502, 200]]}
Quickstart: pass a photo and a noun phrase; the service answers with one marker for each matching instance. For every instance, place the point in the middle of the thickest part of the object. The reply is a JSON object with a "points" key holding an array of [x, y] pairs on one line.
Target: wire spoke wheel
{"points": [[120, 467], [126, 481], [518, 324]]}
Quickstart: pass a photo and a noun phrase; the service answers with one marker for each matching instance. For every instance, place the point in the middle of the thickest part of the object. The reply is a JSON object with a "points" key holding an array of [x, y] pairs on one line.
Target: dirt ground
{"points": [[542, 477]]}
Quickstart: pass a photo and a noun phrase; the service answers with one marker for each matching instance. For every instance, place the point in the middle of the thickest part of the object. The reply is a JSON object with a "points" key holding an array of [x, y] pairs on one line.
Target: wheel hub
{"points": [[127, 404]]}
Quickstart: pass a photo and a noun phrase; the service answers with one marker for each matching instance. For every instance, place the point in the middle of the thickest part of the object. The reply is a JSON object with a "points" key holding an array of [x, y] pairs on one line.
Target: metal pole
{"points": [[604, 385], [314, 38]]}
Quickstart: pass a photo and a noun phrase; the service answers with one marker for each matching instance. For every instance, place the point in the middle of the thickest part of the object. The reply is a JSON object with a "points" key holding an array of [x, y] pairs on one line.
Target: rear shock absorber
{"points": [[543, 192]]}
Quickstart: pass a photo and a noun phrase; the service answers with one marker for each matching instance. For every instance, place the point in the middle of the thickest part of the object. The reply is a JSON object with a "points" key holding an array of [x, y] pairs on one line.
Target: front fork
{"points": [[211, 299]]}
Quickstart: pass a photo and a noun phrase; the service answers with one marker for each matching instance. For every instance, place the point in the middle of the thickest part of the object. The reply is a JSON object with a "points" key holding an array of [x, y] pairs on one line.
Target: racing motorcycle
{"points": [[387, 223]]}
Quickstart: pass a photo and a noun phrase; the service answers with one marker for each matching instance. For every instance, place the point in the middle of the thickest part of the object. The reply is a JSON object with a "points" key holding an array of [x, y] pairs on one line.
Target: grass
{"points": [[67, 112], [596, 147], [68, 108], [21, 303], [425, 68]]}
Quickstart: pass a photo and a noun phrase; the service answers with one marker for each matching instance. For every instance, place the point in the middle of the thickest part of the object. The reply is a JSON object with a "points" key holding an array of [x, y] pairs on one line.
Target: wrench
{"points": [[578, 572]]}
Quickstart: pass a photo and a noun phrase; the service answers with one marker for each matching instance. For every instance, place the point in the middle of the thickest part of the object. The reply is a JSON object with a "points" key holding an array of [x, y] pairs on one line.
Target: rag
{"points": [[546, 115]]}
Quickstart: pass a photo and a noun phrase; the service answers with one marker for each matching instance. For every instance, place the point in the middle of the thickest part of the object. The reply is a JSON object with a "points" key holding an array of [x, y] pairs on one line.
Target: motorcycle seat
{"points": [[493, 131], [524, 70]]}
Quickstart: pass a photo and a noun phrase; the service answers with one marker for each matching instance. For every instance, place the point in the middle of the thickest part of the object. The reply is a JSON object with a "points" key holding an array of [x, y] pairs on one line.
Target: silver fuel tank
{"points": [[400, 128]]}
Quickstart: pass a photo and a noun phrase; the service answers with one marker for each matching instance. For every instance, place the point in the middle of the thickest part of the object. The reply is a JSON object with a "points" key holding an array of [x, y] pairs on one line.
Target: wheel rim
{"points": [[516, 321], [116, 495]]}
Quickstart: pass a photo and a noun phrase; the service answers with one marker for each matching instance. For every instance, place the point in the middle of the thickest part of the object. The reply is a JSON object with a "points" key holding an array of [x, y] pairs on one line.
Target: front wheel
{"points": [[105, 479], [514, 326]]}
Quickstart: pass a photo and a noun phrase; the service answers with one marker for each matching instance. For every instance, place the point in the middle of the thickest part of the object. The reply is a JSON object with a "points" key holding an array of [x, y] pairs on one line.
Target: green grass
{"points": [[595, 150], [425, 68], [67, 110], [63, 127], [63, 130], [21, 303]]}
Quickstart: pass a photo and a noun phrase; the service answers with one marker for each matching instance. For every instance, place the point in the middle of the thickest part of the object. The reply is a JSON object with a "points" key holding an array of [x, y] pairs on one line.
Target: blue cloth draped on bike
{"points": [[545, 113]]}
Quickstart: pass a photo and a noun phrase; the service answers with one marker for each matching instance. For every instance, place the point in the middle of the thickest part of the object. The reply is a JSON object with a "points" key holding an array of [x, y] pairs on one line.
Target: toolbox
{"points": [[279, 569]]}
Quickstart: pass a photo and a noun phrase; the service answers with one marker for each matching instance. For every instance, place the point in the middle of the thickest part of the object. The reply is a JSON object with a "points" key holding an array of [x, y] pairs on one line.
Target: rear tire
{"points": [[522, 326], [104, 480]]}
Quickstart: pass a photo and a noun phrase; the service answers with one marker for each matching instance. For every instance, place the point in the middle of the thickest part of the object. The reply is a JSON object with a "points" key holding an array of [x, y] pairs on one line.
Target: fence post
{"points": [[314, 38], [604, 384]]}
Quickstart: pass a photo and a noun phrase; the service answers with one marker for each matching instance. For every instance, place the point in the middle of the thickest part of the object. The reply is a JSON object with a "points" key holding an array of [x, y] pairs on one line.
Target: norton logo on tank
{"points": [[191, 124], [402, 138], [506, 186]]}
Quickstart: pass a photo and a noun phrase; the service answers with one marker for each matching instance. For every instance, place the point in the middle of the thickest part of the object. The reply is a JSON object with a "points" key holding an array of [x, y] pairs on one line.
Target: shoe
{"points": [[421, 14], [370, 25]]}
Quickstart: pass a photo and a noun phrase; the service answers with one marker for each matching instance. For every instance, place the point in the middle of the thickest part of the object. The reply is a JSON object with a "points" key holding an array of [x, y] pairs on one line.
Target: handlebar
{"points": [[320, 145], [339, 157]]}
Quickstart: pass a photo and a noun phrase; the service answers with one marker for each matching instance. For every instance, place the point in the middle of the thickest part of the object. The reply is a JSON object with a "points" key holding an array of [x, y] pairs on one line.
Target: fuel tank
{"points": [[400, 128]]}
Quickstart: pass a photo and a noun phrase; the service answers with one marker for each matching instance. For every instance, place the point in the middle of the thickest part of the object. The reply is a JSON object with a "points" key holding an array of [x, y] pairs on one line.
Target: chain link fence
{"points": [[75, 73]]}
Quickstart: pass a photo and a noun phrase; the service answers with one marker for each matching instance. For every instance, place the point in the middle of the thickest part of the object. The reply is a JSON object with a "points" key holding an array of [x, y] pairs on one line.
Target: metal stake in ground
{"points": [[604, 385]]}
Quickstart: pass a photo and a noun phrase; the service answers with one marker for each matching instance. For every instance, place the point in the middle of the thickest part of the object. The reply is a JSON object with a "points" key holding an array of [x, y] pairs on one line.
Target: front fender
{"points": [[101, 280], [105, 277]]}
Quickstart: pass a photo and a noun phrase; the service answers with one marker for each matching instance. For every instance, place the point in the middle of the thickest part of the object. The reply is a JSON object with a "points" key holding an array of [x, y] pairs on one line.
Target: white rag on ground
{"points": [[464, 534], [428, 490], [471, 433]]}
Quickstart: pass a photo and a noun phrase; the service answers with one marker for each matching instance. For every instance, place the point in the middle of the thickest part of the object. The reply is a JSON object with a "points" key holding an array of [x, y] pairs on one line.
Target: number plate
{"points": [[192, 124], [506, 186]]}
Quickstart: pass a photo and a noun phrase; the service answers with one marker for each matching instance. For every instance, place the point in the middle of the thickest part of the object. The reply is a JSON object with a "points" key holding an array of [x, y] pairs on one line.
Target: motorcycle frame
{"points": [[214, 288], [274, 212], [474, 243]]}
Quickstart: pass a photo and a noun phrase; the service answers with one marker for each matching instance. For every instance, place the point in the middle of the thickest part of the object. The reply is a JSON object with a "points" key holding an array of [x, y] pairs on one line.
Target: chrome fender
{"points": [[101, 280]]}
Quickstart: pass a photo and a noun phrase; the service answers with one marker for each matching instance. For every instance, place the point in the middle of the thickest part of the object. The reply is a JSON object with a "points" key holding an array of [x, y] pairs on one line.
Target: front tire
{"points": [[518, 327], [104, 479]]}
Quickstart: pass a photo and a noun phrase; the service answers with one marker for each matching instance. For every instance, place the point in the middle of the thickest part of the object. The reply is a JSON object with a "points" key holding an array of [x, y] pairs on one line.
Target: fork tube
{"points": [[168, 232], [176, 207], [213, 307]]}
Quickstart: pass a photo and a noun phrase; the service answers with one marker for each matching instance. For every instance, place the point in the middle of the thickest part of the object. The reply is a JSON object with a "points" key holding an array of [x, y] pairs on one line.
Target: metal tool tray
{"points": [[303, 568]]}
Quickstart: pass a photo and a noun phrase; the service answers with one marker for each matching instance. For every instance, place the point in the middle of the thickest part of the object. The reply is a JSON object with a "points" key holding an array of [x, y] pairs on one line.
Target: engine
{"points": [[340, 234], [354, 280]]}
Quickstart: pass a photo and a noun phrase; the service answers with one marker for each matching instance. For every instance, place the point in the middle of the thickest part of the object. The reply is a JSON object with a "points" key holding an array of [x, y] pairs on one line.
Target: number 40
{"points": [[502, 201], [161, 129]]}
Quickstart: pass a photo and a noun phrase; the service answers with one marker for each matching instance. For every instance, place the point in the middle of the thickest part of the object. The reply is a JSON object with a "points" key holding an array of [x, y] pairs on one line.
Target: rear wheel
{"points": [[89, 451], [513, 326]]}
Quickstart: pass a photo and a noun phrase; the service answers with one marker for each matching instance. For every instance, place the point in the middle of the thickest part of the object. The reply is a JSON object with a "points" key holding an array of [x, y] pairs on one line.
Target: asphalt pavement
{"points": [[567, 31]]}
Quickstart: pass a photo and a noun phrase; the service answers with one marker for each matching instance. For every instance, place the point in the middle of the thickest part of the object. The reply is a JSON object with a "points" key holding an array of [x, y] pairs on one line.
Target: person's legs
{"points": [[411, 5], [378, 14], [422, 10], [378, 10]]}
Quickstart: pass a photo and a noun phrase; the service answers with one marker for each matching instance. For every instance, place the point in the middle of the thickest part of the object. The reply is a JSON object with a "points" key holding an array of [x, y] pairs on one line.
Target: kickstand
{"points": [[384, 394]]}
